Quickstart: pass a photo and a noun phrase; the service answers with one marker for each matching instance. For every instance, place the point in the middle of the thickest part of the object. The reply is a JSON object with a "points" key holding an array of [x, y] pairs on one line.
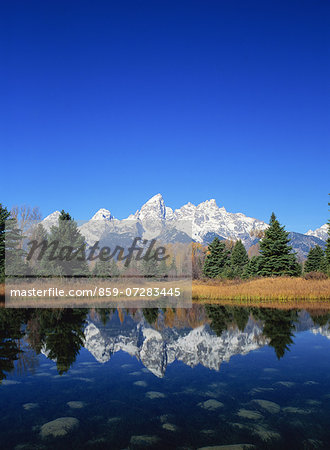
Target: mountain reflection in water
{"points": [[165, 378], [206, 335]]}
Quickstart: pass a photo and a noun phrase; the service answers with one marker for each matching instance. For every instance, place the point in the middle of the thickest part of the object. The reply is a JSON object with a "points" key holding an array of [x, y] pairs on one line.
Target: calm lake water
{"points": [[165, 379]]}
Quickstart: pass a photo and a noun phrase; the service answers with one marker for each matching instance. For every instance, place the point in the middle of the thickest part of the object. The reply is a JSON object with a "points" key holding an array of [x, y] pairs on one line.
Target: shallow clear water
{"points": [[165, 379]]}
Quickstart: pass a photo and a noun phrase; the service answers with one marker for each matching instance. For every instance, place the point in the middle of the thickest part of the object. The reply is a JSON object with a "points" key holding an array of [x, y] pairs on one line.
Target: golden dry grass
{"points": [[266, 292], [263, 289]]}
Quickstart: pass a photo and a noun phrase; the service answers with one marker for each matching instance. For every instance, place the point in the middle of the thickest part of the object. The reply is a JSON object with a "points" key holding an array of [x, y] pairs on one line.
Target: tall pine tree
{"points": [[14, 252], [276, 253], [253, 268], [217, 259], [4, 215], [239, 259], [315, 260], [69, 258], [327, 248]]}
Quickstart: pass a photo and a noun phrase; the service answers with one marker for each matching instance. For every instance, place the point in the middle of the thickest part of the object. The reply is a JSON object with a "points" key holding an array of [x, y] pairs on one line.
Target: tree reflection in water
{"points": [[59, 333]]}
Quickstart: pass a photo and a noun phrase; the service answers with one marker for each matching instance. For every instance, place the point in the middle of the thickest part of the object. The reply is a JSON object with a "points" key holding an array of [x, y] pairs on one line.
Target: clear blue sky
{"points": [[106, 103]]}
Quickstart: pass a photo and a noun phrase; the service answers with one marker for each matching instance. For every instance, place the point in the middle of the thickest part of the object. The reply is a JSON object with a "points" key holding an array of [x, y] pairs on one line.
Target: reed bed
{"points": [[282, 289]]}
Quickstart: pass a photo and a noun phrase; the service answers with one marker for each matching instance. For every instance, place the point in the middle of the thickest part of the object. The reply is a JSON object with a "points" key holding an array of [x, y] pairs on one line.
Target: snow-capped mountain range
{"points": [[200, 223], [321, 233]]}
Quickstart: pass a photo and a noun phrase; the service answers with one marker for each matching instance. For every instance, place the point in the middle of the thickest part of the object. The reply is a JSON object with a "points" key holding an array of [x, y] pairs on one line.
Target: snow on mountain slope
{"points": [[200, 223], [207, 217], [155, 219], [51, 220], [321, 233]]}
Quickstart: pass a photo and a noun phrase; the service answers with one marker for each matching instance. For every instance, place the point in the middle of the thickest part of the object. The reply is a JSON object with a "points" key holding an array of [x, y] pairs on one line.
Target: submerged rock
{"points": [[30, 447], [313, 402], [287, 384], [59, 427], [313, 443], [211, 404], [229, 447], [293, 410], [28, 406], [170, 427], [9, 382], [248, 414], [76, 405], [165, 418], [140, 383], [239, 425], [208, 432], [155, 394], [143, 440], [265, 434], [114, 420], [260, 390], [268, 406]]}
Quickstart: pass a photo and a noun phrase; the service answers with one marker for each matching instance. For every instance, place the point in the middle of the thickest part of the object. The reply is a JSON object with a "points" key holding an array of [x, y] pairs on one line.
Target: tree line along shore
{"points": [[221, 270]]}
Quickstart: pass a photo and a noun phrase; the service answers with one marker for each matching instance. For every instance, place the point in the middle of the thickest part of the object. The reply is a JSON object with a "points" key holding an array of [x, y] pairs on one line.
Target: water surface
{"points": [[186, 378]]}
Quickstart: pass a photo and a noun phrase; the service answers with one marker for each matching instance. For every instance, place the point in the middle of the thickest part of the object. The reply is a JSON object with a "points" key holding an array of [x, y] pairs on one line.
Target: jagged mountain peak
{"points": [[51, 220], [102, 214], [53, 215], [321, 233], [200, 223], [208, 204], [153, 209]]}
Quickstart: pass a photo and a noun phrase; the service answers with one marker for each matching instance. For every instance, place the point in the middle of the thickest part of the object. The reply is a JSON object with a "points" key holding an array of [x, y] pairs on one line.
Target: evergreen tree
{"points": [[327, 248], [239, 258], [277, 256], [14, 252], [217, 259], [4, 215], [106, 269], [163, 269], [315, 260], [149, 267], [69, 258], [253, 267], [172, 270], [39, 235]]}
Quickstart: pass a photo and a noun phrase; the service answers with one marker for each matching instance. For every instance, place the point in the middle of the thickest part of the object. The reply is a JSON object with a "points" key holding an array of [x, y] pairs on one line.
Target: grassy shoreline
{"points": [[282, 292], [262, 290]]}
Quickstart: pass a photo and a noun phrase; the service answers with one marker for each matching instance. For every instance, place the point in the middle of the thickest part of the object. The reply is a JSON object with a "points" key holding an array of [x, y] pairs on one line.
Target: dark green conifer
{"points": [[253, 267], [217, 259], [14, 252], [4, 215], [239, 258], [315, 260], [277, 256], [327, 248], [70, 258]]}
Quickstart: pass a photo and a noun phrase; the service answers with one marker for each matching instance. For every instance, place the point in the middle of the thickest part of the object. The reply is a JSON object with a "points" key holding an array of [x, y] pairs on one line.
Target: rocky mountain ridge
{"points": [[199, 223]]}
